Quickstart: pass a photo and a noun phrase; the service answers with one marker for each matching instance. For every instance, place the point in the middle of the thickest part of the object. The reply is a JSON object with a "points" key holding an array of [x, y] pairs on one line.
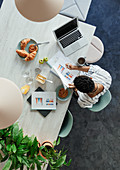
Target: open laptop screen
{"points": [[60, 32]]}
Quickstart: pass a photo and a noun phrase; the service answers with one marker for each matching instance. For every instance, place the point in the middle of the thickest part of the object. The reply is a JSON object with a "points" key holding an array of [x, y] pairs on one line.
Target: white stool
{"points": [[95, 50]]}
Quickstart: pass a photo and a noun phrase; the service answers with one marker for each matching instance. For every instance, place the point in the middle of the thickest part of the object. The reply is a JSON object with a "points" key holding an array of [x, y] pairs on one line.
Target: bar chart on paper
{"points": [[60, 68], [43, 101], [39, 101], [49, 102], [68, 75]]}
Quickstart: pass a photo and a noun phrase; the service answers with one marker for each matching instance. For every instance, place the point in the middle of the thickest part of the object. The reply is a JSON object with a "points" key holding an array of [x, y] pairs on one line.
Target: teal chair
{"points": [[67, 125], [102, 103]]}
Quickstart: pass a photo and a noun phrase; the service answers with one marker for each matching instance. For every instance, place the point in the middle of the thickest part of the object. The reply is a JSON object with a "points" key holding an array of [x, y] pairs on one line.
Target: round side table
{"points": [[11, 103], [95, 50]]}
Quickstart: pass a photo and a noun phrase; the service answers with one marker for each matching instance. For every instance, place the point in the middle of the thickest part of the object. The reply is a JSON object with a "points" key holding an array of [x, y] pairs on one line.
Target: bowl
{"points": [[67, 97]]}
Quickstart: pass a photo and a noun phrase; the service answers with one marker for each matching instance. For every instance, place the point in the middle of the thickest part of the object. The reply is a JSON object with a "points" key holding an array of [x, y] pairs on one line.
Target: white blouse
{"points": [[100, 76]]}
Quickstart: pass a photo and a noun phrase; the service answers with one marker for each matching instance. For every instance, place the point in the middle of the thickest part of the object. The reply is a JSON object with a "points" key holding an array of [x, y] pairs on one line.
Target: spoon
{"points": [[49, 81], [41, 43]]}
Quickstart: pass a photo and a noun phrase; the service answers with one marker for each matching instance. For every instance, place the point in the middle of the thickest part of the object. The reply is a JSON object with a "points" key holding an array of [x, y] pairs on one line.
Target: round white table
{"points": [[11, 103]]}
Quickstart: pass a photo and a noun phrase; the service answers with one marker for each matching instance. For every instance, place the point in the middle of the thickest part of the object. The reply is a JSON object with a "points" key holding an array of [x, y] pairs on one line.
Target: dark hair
{"points": [[84, 84]]}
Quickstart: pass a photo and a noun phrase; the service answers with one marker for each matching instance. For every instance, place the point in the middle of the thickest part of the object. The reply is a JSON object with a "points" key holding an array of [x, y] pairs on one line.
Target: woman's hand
{"points": [[69, 66], [75, 92], [71, 86], [79, 68], [75, 89]]}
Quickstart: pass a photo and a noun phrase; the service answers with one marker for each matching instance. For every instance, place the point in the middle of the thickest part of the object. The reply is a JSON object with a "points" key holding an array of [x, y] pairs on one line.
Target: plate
{"points": [[67, 97], [27, 47]]}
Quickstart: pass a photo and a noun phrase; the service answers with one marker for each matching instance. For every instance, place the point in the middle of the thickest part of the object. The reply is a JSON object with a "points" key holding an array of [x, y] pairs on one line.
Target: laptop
{"points": [[69, 37]]}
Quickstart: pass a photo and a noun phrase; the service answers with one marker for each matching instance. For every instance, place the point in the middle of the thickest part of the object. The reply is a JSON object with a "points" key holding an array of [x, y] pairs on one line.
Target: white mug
{"points": [[81, 61]]}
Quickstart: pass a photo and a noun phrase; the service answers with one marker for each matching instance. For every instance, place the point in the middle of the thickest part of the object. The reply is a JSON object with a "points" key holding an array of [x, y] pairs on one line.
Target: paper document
{"points": [[67, 76], [54, 59], [43, 101]]}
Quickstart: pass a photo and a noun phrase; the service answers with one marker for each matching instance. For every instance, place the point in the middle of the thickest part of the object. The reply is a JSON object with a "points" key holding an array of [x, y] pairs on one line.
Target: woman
{"points": [[91, 84]]}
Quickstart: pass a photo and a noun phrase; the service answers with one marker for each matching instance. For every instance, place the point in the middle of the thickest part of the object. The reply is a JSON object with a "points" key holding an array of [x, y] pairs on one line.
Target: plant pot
{"points": [[48, 145], [2, 163], [1, 152]]}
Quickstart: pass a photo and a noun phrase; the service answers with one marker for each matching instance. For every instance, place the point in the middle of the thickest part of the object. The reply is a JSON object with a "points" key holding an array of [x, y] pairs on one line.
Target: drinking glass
{"points": [[32, 74], [25, 74]]}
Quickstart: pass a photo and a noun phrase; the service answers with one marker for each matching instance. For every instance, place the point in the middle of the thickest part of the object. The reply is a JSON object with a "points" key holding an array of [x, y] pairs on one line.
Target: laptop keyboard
{"points": [[71, 38]]}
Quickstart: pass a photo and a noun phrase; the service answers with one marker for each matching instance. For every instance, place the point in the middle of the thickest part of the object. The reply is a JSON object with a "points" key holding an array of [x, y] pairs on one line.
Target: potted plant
{"points": [[56, 159], [19, 150]]}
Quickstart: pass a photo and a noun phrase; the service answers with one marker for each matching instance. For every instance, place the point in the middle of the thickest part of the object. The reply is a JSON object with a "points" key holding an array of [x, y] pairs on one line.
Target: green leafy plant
{"points": [[19, 150], [56, 159]]}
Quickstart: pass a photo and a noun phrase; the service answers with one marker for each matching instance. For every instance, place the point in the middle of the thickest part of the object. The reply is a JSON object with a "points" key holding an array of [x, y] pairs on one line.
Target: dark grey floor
{"points": [[1, 3], [94, 142]]}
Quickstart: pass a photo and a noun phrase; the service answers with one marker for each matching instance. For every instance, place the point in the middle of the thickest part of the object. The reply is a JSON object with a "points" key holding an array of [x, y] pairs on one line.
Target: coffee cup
{"points": [[81, 61]]}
